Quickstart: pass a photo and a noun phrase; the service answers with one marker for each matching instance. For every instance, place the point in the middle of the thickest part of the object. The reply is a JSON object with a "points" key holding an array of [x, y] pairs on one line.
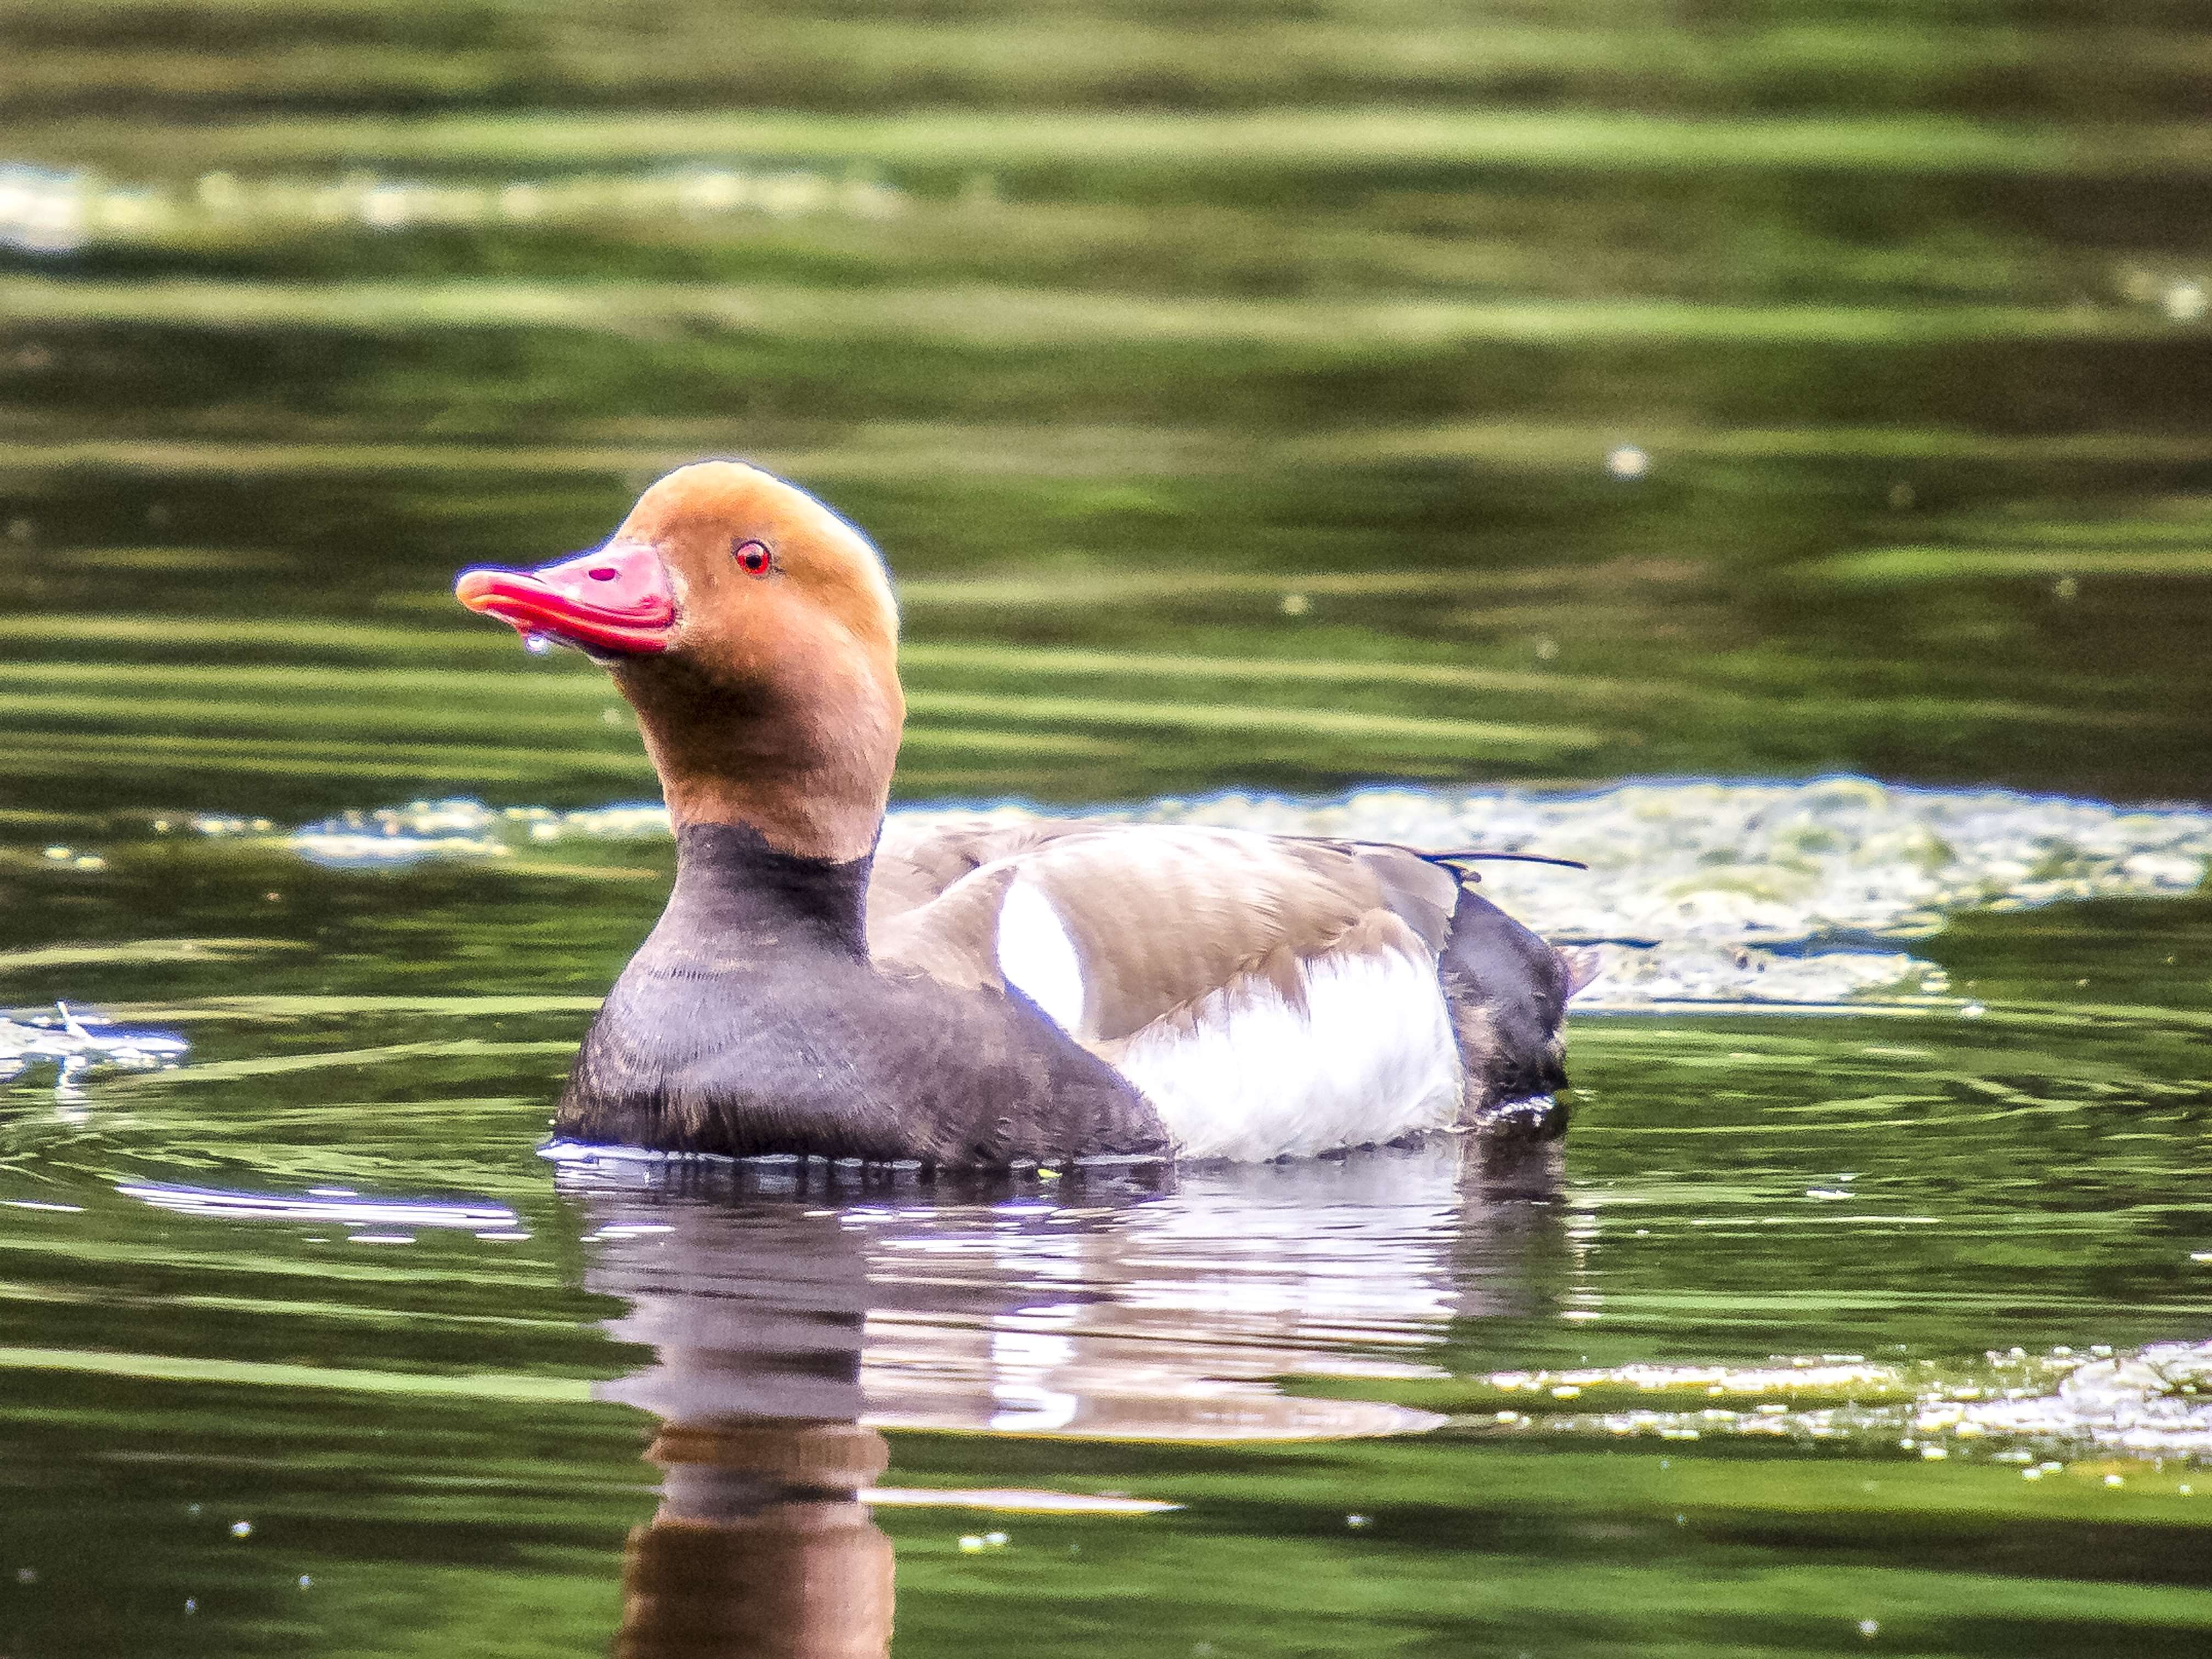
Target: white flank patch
{"points": [[1036, 956], [1371, 1058]]}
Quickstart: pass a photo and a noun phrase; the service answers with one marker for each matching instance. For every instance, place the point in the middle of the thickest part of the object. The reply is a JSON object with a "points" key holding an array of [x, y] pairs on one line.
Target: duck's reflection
{"points": [[792, 1310], [761, 1544]]}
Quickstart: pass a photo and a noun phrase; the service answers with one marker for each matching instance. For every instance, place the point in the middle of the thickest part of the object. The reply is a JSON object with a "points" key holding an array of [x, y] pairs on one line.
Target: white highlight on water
{"points": [[353, 1210], [50, 211]]}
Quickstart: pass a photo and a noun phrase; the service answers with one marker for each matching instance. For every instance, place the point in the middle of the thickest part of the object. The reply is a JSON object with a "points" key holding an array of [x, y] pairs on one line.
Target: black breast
{"points": [[751, 1022]]}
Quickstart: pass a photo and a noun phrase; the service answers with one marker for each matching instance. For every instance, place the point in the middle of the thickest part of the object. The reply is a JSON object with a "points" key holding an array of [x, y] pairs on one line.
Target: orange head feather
{"points": [[769, 695]]}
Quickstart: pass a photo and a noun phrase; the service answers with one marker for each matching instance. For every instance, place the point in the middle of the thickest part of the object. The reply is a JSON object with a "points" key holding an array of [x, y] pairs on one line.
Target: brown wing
{"points": [[919, 857], [1158, 916]]}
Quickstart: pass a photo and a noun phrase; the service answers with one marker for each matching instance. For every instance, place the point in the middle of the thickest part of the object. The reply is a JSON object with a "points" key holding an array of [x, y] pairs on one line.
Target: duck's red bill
{"points": [[616, 599]]}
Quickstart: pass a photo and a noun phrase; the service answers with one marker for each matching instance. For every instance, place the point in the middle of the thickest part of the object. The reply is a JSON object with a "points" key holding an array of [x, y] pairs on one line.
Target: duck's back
{"points": [[1269, 995]]}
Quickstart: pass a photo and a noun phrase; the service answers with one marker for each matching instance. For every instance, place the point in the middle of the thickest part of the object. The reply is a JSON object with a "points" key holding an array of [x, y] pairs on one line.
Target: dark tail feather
{"points": [[1448, 858]]}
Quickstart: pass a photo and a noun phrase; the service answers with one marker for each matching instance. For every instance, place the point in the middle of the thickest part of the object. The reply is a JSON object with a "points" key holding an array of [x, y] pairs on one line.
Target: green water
{"points": [[1246, 396]]}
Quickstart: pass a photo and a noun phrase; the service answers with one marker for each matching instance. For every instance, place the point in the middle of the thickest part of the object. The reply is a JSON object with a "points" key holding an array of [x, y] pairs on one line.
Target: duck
{"points": [[963, 991]]}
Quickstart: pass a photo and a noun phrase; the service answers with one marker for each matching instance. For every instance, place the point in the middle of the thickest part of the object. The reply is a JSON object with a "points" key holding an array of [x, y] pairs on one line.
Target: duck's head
{"points": [[753, 632]]}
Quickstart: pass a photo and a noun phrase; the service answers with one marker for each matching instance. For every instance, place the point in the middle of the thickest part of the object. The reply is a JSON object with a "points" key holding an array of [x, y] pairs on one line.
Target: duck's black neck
{"points": [[731, 884]]}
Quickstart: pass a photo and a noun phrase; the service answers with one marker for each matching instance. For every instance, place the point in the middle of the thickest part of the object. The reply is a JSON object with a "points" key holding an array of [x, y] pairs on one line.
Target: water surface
{"points": [[1759, 449]]}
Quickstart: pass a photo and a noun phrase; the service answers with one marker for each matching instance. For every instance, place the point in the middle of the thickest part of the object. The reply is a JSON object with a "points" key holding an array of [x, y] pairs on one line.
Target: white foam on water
{"points": [[1758, 894], [2155, 1402], [1766, 893], [74, 1044]]}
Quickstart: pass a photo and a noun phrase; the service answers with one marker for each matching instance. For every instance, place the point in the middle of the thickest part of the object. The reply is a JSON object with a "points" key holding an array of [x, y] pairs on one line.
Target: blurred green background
{"points": [[1245, 393]]}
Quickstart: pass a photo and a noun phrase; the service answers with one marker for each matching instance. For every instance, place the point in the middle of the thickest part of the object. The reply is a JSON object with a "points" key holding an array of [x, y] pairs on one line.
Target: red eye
{"points": [[754, 556]]}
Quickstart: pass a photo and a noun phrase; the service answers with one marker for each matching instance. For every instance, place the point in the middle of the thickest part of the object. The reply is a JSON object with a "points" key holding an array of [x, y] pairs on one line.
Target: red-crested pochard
{"points": [[964, 993]]}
